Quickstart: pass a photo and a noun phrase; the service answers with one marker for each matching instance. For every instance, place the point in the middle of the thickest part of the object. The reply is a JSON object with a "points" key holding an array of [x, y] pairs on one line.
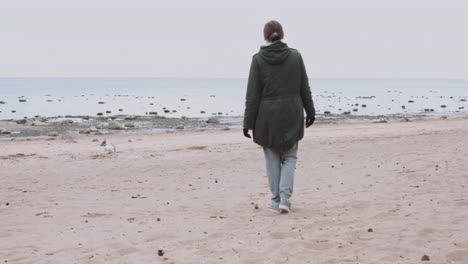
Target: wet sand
{"points": [[364, 193]]}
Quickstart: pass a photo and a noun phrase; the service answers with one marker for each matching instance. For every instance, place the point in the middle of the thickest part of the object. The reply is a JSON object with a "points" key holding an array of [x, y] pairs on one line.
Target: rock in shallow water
{"points": [[53, 134], [21, 121], [212, 120], [115, 126]]}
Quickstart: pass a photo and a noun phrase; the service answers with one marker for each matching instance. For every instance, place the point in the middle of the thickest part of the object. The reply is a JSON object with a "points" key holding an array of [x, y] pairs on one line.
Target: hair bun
{"points": [[274, 36]]}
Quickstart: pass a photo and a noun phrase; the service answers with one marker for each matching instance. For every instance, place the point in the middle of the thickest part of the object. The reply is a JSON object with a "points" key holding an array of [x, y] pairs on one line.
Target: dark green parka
{"points": [[277, 92]]}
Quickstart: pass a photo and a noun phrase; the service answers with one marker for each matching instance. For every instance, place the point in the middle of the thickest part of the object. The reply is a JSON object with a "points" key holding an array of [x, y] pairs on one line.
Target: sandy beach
{"points": [[364, 193]]}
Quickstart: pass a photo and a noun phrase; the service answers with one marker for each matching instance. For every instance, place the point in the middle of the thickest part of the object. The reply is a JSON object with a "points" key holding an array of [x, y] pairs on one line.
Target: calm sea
{"points": [[203, 97]]}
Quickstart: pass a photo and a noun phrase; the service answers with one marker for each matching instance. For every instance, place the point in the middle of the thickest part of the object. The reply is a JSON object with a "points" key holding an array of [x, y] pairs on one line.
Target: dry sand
{"points": [[193, 195]]}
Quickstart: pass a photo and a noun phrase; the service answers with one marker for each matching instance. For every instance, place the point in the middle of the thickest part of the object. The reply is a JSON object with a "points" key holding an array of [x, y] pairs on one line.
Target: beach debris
{"points": [[136, 196], [425, 258], [160, 252], [370, 230], [93, 215], [53, 134], [380, 121], [212, 120], [443, 106]]}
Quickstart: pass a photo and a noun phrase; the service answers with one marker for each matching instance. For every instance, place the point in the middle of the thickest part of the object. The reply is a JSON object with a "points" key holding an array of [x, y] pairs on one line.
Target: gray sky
{"points": [[143, 38]]}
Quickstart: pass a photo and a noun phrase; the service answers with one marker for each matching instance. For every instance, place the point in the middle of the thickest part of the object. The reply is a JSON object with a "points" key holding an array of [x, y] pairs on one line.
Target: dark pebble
{"points": [[443, 106], [153, 113], [327, 112], [108, 112], [202, 112], [120, 110], [7, 204], [370, 230], [101, 102], [410, 101], [99, 114], [160, 252], [167, 111], [425, 258]]}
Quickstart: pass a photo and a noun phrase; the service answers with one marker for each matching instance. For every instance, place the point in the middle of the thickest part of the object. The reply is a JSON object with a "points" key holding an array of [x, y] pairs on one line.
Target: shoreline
{"points": [[98, 125]]}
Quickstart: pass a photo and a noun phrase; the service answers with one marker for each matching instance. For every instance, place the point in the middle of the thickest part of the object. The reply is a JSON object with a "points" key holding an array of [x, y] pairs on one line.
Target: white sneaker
{"points": [[284, 206]]}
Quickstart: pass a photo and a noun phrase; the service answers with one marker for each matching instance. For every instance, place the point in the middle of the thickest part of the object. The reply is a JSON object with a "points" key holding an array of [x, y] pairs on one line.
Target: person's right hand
{"points": [[309, 121], [246, 133]]}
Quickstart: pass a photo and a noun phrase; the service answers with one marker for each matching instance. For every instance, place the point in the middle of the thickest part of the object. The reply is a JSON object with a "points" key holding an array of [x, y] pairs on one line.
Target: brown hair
{"points": [[273, 31]]}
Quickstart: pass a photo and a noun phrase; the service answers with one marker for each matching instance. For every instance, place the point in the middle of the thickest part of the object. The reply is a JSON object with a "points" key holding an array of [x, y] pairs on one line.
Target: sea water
{"points": [[203, 97]]}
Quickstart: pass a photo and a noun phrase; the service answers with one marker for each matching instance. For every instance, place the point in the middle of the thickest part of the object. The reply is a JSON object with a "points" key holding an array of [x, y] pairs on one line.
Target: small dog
{"points": [[108, 147]]}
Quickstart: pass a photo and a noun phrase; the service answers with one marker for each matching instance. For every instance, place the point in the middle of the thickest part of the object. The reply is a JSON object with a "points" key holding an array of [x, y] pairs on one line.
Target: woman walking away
{"points": [[277, 92]]}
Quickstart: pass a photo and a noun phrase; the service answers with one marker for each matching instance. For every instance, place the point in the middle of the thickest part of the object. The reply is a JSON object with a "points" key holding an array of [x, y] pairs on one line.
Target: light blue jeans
{"points": [[280, 168]]}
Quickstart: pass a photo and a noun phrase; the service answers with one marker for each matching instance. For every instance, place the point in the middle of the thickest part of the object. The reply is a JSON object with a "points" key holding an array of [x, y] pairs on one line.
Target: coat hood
{"points": [[275, 53]]}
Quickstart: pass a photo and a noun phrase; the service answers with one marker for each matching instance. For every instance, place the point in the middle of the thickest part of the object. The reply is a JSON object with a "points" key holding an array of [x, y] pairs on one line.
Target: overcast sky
{"points": [[202, 38]]}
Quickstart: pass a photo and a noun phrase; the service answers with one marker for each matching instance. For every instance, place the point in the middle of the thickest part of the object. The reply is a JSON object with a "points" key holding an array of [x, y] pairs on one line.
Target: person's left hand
{"points": [[309, 121], [246, 133]]}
